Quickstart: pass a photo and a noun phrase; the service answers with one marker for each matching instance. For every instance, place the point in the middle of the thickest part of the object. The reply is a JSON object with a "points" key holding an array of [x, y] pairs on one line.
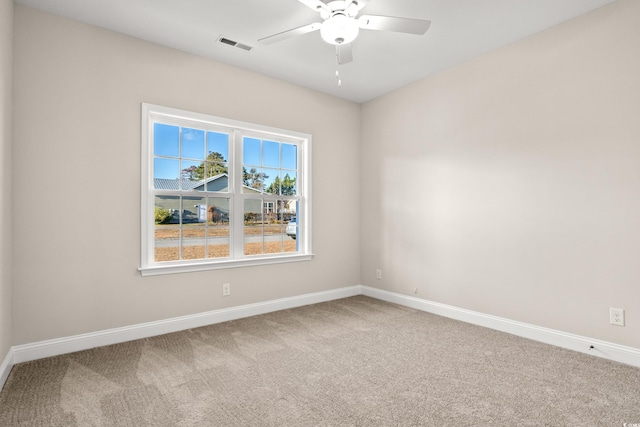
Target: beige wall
{"points": [[78, 91], [6, 73], [510, 185]]}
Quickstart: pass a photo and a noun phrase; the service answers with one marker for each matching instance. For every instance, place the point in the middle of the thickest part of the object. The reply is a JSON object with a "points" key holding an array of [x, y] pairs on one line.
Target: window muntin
{"points": [[220, 193]]}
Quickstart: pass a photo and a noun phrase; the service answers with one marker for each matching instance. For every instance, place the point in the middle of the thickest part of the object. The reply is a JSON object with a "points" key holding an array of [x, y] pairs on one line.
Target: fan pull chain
{"points": [[338, 66]]}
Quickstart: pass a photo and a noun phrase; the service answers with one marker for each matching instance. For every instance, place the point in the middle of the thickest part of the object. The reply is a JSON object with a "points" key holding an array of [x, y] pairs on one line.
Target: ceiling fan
{"points": [[341, 25]]}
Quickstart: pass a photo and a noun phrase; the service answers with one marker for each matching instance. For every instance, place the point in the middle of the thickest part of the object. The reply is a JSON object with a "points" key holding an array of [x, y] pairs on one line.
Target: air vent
{"points": [[233, 43]]}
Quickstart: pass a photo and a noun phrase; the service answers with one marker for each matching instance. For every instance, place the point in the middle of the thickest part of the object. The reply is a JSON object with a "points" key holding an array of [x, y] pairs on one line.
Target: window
{"points": [[218, 193]]}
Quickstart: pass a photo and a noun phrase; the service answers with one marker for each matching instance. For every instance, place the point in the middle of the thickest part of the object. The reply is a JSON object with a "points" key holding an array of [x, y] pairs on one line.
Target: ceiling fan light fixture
{"points": [[340, 29]]}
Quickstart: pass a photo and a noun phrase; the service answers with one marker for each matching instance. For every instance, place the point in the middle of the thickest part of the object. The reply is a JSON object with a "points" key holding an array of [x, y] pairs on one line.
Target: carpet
{"points": [[350, 362]]}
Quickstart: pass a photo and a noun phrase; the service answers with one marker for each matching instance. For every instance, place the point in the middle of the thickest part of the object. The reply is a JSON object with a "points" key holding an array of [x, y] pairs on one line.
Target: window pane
{"points": [[289, 209], [218, 227], [252, 180], [251, 151], [290, 226], [253, 226], [166, 174], [289, 183], [192, 175], [194, 222], [289, 156], [193, 143], [167, 228], [270, 154], [218, 146], [166, 140], [274, 227], [272, 181], [214, 169], [217, 181]]}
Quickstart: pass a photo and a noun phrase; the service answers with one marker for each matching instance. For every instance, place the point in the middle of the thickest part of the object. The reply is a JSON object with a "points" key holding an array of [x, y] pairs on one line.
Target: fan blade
{"points": [[290, 33], [316, 5], [352, 7], [344, 54], [391, 23]]}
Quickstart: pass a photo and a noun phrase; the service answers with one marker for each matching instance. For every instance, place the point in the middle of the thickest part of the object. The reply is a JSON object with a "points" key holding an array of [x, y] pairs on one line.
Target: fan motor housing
{"points": [[339, 29]]}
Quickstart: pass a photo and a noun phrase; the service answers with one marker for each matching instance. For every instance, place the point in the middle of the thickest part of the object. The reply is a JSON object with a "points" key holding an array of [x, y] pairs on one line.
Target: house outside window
{"points": [[219, 193], [269, 208]]}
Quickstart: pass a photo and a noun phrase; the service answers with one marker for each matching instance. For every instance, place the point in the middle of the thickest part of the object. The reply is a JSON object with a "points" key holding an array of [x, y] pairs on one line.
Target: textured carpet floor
{"points": [[351, 362]]}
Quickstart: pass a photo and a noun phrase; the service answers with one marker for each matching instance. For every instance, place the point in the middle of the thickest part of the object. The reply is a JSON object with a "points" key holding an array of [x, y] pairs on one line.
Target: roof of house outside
{"points": [[187, 184]]}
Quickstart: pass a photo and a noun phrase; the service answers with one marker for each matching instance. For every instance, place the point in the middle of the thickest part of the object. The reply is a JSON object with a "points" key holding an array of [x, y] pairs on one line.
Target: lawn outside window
{"points": [[219, 193]]}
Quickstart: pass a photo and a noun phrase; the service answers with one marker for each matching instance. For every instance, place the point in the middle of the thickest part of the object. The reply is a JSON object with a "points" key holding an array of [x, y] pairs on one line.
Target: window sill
{"points": [[217, 265]]}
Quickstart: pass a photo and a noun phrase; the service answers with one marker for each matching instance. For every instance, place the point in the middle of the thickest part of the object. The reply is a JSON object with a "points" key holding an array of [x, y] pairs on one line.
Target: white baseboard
{"points": [[5, 368], [42, 349], [604, 349]]}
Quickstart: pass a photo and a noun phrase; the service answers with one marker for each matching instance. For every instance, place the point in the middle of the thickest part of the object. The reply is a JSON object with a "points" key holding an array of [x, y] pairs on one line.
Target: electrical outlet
{"points": [[379, 274], [226, 289], [616, 316]]}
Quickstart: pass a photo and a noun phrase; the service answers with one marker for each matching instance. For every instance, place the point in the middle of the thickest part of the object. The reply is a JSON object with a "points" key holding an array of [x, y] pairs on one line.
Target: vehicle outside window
{"points": [[292, 228]]}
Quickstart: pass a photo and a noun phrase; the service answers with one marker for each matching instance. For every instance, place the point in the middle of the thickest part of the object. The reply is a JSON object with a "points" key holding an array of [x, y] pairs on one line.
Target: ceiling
{"points": [[383, 61]]}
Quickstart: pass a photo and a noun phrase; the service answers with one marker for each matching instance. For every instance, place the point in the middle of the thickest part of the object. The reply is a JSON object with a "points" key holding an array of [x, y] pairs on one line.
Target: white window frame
{"points": [[148, 266]]}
